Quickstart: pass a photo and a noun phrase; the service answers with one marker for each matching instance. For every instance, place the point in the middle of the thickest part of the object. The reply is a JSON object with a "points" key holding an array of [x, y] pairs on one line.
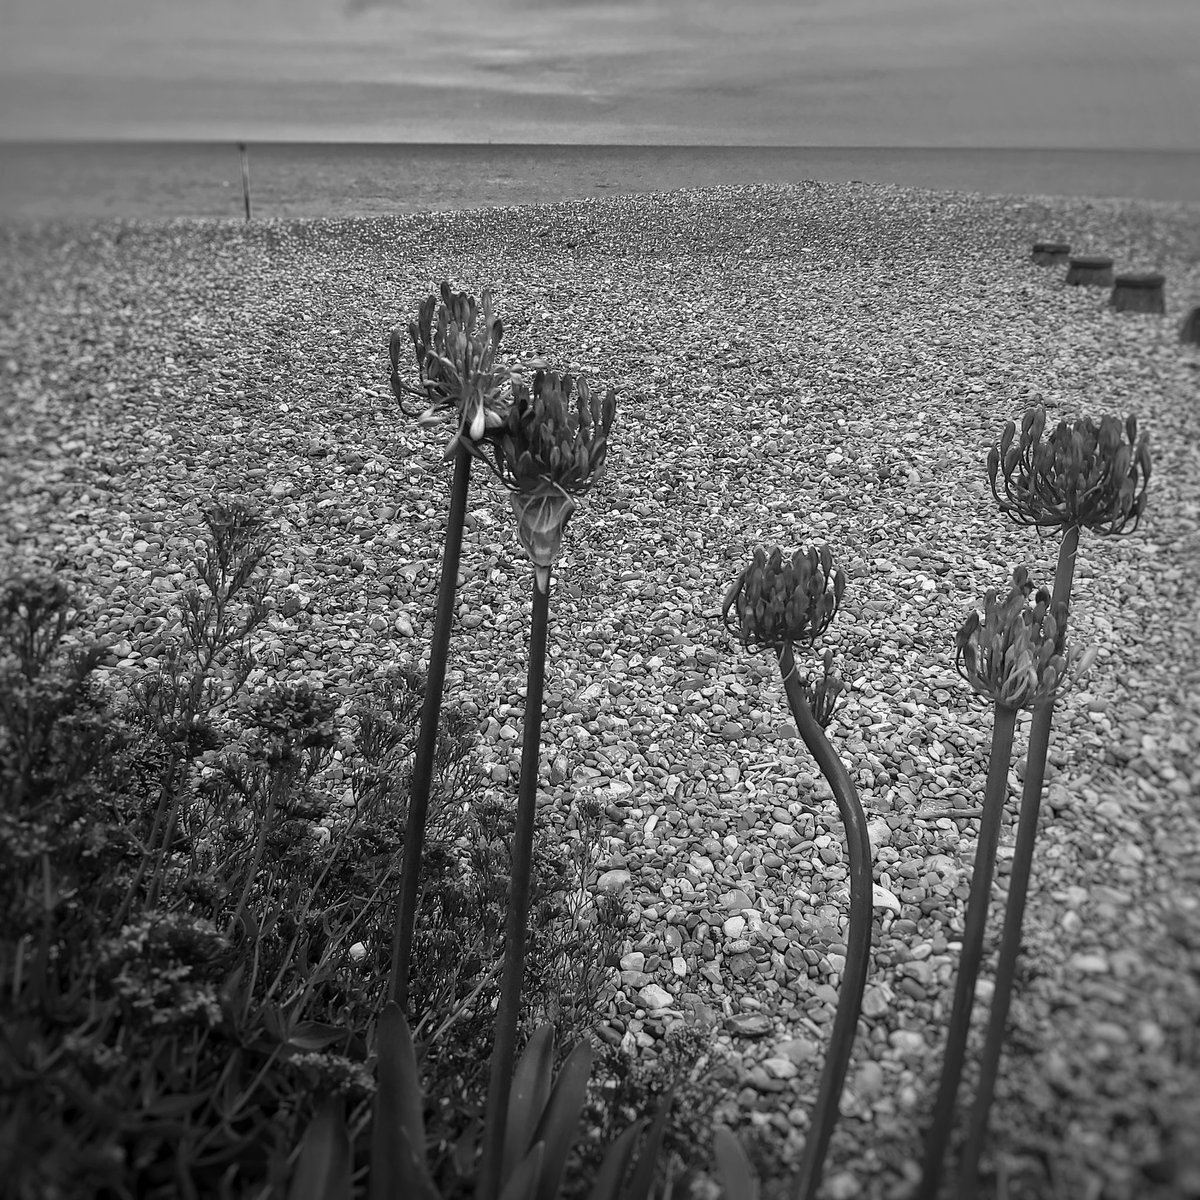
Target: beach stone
{"points": [[842, 1186], [614, 881], [1089, 964], [868, 1080], [749, 1025], [907, 1042], [876, 1001], [796, 1050], [733, 927], [780, 1068], [652, 996], [735, 901]]}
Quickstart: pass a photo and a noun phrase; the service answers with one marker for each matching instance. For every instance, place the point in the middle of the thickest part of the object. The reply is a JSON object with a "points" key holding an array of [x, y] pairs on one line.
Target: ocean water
{"points": [[289, 180]]}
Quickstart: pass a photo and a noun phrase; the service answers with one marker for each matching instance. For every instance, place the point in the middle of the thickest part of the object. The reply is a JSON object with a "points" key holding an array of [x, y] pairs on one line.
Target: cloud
{"points": [[787, 71]]}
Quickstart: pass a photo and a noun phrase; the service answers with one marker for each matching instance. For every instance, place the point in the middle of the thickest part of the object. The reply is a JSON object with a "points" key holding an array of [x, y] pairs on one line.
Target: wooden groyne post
{"points": [[245, 177]]}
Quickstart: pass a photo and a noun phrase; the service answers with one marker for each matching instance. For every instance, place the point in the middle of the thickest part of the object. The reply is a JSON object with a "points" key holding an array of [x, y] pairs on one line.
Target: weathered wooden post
{"points": [[1189, 331], [1050, 254], [1138, 292], [245, 177], [1090, 270]]}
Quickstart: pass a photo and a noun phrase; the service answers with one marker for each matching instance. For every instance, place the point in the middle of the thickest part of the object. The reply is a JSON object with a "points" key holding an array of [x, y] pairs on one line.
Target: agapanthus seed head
{"points": [[555, 434], [456, 343], [1015, 653], [1083, 474], [777, 601]]}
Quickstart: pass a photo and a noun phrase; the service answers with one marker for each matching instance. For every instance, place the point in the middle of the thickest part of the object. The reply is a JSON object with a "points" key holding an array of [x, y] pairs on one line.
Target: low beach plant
{"points": [[183, 970]]}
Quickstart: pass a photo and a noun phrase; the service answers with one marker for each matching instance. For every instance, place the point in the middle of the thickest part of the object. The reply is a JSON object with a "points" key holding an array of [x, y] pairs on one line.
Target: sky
{"points": [[1088, 74]]}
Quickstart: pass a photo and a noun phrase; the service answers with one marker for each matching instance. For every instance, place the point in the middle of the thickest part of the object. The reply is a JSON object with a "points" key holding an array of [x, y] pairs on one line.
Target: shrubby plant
{"points": [[197, 880]]}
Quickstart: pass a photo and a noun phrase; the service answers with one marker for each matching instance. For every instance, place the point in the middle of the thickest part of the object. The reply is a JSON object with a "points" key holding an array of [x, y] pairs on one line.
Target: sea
{"points": [[287, 180]]}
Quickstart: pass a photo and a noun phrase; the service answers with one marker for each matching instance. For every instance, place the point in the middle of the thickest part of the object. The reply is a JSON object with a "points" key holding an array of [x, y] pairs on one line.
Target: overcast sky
{"points": [[1026, 73]]}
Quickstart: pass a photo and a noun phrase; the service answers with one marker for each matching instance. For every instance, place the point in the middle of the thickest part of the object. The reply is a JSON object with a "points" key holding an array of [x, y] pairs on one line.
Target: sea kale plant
{"points": [[1084, 475], [776, 602]]}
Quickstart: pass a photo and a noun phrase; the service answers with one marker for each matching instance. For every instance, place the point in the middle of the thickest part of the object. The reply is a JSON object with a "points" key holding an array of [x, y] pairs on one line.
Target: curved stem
{"points": [[972, 952], [431, 708], [508, 1010], [1014, 915], [858, 939]]}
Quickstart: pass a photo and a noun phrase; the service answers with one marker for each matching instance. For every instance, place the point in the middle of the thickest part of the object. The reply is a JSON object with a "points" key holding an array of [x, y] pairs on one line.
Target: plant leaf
{"points": [[398, 1117], [560, 1119], [527, 1097], [615, 1163], [523, 1180], [323, 1171], [737, 1176], [647, 1164]]}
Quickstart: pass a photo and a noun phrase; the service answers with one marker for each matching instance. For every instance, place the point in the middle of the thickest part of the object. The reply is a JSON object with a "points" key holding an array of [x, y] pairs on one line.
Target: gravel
{"points": [[801, 362]]}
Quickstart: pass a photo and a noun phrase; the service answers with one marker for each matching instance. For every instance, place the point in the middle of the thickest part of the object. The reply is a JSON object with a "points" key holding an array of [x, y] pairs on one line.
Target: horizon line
{"points": [[375, 141]]}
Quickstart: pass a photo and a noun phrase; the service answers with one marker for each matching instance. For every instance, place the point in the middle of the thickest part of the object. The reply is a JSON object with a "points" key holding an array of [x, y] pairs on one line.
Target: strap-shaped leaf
{"points": [[615, 1165], [647, 1165], [737, 1175], [523, 1180], [323, 1171], [560, 1119], [527, 1097], [399, 1116]]}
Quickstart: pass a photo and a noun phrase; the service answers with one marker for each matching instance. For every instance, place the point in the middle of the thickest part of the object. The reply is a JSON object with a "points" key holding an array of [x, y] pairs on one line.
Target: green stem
{"points": [[508, 1010], [1014, 915], [858, 939], [972, 952], [431, 708]]}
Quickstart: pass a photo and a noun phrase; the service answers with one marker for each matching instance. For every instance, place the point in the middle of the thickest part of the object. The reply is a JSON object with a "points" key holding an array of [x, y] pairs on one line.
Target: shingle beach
{"points": [[813, 362]]}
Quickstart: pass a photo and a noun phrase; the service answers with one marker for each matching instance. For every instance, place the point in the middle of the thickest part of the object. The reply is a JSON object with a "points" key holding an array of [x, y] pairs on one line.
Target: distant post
{"points": [[245, 177]]}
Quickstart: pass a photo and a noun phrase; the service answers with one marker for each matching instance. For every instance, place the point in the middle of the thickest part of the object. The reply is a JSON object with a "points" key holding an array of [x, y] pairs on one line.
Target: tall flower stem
{"points": [[431, 707], [858, 940], [508, 1010], [1014, 915], [1003, 727]]}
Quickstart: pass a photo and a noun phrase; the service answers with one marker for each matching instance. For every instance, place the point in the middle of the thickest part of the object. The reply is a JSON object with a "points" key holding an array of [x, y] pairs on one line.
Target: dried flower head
{"points": [[1016, 654], [456, 361], [782, 600], [1083, 474], [551, 447], [555, 433]]}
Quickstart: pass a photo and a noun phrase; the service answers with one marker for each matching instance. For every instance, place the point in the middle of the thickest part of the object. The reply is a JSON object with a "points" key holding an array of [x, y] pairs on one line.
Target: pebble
{"points": [[654, 997], [749, 1025]]}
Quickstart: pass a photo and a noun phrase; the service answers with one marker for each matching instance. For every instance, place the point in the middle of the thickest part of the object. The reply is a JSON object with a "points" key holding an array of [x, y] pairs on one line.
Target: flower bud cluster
{"points": [[456, 359], [826, 694], [781, 600], [548, 450], [1015, 654], [1084, 474], [547, 439]]}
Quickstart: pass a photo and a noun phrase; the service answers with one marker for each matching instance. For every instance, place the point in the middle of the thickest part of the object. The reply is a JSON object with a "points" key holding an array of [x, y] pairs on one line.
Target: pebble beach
{"points": [[792, 363]]}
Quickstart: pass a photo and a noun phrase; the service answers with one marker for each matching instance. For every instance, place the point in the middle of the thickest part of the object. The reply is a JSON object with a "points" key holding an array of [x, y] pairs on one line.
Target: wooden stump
{"points": [[1091, 270], [1050, 254], [1189, 331], [1140, 292]]}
